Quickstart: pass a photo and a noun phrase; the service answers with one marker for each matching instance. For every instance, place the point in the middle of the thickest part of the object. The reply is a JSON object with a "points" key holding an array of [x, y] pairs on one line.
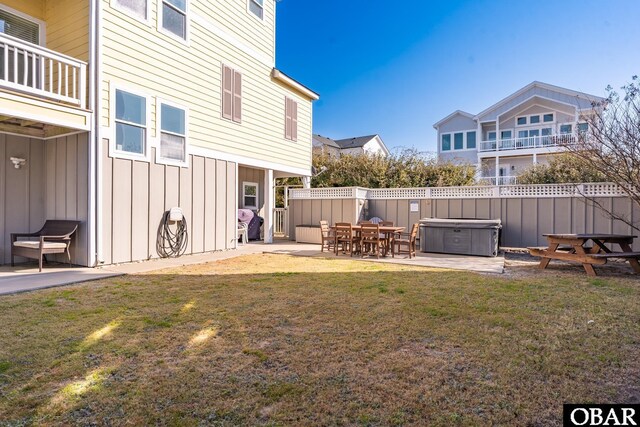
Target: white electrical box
{"points": [[175, 215]]}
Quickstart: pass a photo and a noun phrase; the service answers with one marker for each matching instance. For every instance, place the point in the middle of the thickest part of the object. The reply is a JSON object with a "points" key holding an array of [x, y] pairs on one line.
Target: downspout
{"points": [[91, 169], [96, 146]]}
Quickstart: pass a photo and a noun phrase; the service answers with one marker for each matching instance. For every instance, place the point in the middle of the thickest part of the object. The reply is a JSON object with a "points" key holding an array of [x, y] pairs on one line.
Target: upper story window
{"points": [[446, 142], [534, 119], [139, 8], [173, 133], [256, 7], [19, 27], [458, 141], [290, 119], [471, 140], [231, 94], [583, 128], [174, 17], [130, 123], [567, 128]]}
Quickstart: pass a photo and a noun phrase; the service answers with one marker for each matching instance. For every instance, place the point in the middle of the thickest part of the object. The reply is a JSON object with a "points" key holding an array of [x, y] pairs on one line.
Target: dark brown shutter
{"points": [[294, 120], [237, 97], [227, 92]]}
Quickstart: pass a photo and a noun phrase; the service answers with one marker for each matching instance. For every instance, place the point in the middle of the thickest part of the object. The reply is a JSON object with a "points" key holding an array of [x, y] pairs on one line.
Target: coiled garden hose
{"points": [[172, 238]]}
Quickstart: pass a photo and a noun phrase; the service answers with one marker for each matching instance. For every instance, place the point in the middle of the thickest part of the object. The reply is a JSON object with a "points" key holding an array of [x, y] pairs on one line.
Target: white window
{"points": [[137, 8], [522, 121], [173, 17], [250, 195], [131, 123], [547, 118], [256, 7], [173, 134]]}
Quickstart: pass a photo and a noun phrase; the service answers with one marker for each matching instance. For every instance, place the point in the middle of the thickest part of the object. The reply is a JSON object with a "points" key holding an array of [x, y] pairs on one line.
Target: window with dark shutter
{"points": [[290, 119], [231, 94]]}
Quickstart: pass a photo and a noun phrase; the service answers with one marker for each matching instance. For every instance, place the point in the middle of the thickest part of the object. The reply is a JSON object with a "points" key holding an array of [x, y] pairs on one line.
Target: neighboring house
{"points": [[370, 144], [525, 128], [123, 109]]}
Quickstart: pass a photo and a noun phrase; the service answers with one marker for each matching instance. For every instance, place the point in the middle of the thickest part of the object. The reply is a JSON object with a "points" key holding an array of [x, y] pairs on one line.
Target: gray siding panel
{"points": [[137, 194]]}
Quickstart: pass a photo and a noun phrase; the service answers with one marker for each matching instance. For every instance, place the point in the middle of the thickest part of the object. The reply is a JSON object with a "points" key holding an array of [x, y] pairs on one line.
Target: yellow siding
{"points": [[33, 8], [68, 27], [138, 56]]}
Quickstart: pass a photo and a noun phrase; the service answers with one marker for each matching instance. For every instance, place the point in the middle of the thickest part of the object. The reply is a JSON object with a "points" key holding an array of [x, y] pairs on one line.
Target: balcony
{"points": [[527, 143], [41, 72], [43, 93]]}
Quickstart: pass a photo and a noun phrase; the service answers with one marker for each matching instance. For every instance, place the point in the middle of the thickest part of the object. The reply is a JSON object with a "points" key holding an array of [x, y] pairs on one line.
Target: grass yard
{"points": [[279, 340]]}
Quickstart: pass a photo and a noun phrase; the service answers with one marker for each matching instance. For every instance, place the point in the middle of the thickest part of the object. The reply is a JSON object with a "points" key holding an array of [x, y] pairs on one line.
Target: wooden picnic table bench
{"points": [[575, 248]]}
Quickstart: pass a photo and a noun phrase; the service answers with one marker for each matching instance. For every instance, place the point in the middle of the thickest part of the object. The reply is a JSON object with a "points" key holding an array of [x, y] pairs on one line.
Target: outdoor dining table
{"points": [[388, 232], [574, 247]]}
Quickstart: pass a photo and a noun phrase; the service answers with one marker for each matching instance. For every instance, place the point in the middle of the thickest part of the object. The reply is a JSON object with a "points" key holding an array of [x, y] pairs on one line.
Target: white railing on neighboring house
{"points": [[470, 192], [280, 222], [546, 141], [32, 69], [501, 180]]}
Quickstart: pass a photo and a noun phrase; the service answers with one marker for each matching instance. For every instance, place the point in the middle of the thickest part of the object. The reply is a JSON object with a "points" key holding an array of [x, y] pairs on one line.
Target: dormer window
{"points": [[257, 8], [138, 8]]}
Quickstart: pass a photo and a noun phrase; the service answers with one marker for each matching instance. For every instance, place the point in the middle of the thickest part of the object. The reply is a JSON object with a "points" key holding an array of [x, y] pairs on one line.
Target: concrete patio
{"points": [[25, 277]]}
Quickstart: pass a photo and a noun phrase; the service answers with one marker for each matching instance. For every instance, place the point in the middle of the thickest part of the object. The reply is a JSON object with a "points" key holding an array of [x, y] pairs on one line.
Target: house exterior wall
{"points": [[68, 27], [51, 185], [459, 156], [189, 74], [137, 193]]}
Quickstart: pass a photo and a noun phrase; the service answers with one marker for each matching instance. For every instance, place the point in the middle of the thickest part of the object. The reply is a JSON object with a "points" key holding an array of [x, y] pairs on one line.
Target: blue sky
{"points": [[397, 68]]}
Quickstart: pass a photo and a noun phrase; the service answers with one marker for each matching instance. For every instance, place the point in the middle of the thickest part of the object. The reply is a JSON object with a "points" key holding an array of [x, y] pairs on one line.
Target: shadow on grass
{"points": [[363, 345]]}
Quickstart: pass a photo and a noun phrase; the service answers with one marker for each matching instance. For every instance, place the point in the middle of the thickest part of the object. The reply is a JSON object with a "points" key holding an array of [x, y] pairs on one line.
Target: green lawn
{"points": [[279, 340]]}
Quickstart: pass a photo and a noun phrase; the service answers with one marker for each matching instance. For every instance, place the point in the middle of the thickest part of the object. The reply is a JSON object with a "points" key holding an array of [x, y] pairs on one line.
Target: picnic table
{"points": [[576, 248]]}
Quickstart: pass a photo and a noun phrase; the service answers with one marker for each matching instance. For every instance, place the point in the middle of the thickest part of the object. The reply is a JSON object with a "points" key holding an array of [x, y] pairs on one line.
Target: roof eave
{"points": [[283, 78]]}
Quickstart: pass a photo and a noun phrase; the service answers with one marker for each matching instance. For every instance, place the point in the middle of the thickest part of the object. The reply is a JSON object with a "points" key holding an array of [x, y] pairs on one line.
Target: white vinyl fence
{"points": [[526, 211]]}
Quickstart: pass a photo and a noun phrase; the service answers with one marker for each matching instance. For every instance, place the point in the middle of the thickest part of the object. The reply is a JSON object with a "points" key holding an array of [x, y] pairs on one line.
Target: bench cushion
{"points": [[32, 244]]}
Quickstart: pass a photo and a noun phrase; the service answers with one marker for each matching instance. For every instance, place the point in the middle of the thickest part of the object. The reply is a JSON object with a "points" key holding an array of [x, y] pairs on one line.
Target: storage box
{"points": [[308, 234]]}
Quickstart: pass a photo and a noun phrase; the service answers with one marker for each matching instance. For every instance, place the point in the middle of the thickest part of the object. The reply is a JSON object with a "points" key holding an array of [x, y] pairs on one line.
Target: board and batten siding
{"points": [[51, 185], [140, 57], [136, 194]]}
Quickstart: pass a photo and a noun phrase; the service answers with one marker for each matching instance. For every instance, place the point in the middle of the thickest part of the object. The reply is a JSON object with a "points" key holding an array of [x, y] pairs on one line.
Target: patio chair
{"points": [[53, 238], [401, 240], [243, 232], [328, 236], [370, 239], [346, 238], [386, 223], [364, 221]]}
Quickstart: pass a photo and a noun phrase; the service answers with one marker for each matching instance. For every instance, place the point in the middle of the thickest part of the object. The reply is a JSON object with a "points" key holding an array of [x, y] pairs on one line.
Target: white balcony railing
{"points": [[32, 69], [280, 222], [528, 142], [501, 180]]}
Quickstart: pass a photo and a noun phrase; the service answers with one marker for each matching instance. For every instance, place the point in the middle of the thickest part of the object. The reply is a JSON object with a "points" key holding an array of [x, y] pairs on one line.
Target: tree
{"points": [[611, 145], [409, 168], [561, 169]]}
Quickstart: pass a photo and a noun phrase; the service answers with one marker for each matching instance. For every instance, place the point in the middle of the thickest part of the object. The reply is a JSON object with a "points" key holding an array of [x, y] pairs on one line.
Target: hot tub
{"points": [[460, 236]]}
